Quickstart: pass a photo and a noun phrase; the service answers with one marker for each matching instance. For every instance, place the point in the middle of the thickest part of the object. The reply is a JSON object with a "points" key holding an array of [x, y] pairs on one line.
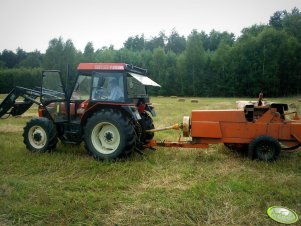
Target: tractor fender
{"points": [[129, 110], [151, 110], [132, 111]]}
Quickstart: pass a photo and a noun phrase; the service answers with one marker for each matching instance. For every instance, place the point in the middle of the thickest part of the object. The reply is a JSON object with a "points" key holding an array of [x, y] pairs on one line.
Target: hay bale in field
{"points": [[173, 96], [242, 103], [181, 100], [292, 105], [11, 129], [194, 101], [29, 115]]}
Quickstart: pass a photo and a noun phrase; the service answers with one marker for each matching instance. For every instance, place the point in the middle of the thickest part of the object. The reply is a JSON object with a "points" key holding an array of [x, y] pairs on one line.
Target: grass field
{"points": [[213, 186]]}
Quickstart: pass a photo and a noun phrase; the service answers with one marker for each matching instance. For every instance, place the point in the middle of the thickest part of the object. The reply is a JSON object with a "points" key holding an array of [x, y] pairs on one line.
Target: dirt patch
{"points": [[29, 115], [166, 181], [10, 129]]}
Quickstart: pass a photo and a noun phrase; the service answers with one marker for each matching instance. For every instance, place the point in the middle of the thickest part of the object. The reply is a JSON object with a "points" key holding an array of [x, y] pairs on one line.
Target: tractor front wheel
{"points": [[40, 135], [264, 148], [109, 135]]}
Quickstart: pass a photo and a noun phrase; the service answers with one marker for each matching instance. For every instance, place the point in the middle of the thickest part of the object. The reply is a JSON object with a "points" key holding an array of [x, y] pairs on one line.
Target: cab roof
{"points": [[102, 66], [136, 72], [110, 67]]}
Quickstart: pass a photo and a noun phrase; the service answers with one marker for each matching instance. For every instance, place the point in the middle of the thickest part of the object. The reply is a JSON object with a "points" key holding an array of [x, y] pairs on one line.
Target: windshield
{"points": [[108, 86], [82, 88]]}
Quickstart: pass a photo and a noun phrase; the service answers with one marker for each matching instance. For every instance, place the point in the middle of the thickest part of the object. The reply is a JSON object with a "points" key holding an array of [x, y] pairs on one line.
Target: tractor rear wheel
{"points": [[264, 148], [146, 123], [40, 135], [109, 135]]}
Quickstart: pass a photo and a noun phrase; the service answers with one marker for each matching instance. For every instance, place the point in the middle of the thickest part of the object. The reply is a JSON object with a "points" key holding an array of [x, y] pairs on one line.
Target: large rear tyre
{"points": [[146, 123], [264, 148], [40, 135], [109, 135]]}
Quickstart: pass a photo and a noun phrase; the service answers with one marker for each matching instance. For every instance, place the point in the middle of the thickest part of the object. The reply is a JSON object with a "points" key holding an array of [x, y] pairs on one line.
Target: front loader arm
{"points": [[11, 107]]}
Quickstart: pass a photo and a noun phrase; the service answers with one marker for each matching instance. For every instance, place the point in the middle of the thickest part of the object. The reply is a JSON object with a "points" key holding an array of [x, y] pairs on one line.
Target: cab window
{"points": [[108, 87], [82, 88]]}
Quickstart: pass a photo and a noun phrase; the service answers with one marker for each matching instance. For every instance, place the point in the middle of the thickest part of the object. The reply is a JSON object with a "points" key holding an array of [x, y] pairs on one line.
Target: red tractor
{"points": [[107, 107]]}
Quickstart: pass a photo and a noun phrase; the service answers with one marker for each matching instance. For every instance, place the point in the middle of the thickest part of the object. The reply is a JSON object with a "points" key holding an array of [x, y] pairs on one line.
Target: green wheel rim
{"points": [[282, 214]]}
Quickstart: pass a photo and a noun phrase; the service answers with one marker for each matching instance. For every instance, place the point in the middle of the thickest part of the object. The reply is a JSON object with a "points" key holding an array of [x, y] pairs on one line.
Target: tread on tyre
{"points": [[40, 135], [109, 135], [264, 148]]}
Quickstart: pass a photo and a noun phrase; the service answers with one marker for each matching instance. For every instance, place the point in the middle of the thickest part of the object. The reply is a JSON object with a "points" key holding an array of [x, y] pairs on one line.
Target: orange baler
{"points": [[264, 130]]}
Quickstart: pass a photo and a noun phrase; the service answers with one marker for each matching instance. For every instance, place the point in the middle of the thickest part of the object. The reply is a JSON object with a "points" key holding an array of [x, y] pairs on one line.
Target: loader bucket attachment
{"points": [[12, 107], [20, 107], [8, 102]]}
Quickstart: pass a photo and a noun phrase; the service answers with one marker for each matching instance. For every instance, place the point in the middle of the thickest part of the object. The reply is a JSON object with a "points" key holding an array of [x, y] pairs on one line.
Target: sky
{"points": [[31, 24]]}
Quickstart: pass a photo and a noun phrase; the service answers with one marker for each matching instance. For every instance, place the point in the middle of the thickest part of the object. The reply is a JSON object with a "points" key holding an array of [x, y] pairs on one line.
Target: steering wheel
{"points": [[100, 94]]}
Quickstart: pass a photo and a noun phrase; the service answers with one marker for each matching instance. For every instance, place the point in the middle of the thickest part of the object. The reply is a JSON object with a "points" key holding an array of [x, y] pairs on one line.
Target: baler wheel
{"points": [[40, 135], [109, 135], [264, 148]]}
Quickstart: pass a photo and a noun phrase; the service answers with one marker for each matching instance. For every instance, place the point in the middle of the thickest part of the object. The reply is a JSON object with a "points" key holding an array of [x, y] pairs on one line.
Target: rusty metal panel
{"points": [[247, 130], [273, 130], [296, 131], [285, 132], [205, 129], [238, 130], [218, 115]]}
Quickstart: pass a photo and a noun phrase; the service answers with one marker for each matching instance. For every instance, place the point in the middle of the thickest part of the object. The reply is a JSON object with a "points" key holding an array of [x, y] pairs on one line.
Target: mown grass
{"points": [[169, 186]]}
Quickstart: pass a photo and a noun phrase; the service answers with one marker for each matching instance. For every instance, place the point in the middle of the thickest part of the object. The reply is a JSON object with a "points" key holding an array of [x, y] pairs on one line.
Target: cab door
{"points": [[53, 96]]}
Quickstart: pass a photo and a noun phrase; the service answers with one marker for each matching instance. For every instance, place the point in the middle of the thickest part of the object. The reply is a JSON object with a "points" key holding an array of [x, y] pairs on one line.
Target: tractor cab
{"points": [[111, 82], [117, 84], [97, 85]]}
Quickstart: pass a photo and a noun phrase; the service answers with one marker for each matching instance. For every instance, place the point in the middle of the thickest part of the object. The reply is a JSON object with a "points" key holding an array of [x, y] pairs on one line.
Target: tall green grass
{"points": [[169, 186]]}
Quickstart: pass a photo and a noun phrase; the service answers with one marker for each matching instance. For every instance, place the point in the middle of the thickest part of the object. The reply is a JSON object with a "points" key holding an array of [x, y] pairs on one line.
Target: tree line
{"points": [[264, 57]]}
